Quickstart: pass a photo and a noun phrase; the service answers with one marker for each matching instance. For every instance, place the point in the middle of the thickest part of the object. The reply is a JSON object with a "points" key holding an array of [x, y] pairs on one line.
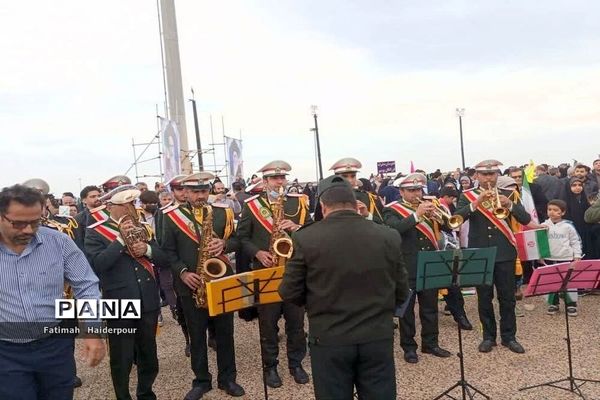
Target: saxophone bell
{"points": [[283, 247], [215, 268]]}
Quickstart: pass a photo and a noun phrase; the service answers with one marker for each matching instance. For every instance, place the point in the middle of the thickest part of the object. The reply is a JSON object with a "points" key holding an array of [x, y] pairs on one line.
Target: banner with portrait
{"points": [[235, 161], [171, 151]]}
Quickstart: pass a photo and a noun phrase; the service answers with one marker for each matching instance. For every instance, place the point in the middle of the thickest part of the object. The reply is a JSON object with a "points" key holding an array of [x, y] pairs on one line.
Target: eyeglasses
{"points": [[23, 224]]}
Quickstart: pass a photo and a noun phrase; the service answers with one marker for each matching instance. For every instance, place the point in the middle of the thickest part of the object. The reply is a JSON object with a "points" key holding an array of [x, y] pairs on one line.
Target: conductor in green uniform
{"points": [[350, 297]]}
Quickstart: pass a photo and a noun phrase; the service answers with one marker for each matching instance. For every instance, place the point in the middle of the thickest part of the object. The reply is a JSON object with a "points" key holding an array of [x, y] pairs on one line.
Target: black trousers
{"points": [[428, 314], [197, 322], [369, 367], [141, 345], [504, 281], [42, 369], [455, 301], [268, 316]]}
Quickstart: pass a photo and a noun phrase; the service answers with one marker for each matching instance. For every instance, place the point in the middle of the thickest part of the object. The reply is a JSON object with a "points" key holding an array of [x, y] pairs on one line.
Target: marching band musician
{"points": [[411, 218], [368, 204], [254, 231], [109, 188], [181, 239], [487, 229], [126, 271]]}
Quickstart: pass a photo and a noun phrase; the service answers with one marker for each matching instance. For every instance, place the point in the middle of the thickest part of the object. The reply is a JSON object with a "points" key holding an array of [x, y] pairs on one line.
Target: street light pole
{"points": [[460, 112], [198, 145], [316, 130]]}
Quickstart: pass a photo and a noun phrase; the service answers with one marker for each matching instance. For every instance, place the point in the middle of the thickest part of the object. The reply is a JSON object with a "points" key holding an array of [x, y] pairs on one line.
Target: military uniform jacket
{"points": [[350, 295], [484, 233], [179, 239], [121, 275], [413, 240], [253, 235]]}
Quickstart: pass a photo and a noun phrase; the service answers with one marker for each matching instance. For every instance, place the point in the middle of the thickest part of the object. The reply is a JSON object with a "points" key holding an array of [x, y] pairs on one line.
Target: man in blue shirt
{"points": [[35, 262]]}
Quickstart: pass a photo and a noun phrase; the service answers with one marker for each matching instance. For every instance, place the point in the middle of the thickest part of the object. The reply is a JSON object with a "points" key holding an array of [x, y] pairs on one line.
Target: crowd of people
{"points": [[107, 221]]}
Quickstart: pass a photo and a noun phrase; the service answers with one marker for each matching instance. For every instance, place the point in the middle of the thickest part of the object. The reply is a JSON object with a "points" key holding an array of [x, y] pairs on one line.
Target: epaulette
{"points": [[170, 208], [294, 194], [391, 204], [97, 223], [251, 198], [220, 205], [99, 208]]}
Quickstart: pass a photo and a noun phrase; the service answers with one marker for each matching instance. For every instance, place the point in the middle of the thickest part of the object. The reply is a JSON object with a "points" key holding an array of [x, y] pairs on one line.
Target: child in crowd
{"points": [[565, 246]]}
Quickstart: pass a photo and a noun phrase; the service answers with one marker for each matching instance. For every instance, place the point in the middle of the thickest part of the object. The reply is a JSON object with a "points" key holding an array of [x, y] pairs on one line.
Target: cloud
{"points": [[86, 79]]}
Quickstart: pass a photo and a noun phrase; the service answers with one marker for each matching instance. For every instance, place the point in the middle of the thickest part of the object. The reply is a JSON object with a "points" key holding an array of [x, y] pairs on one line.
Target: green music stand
{"points": [[456, 268]]}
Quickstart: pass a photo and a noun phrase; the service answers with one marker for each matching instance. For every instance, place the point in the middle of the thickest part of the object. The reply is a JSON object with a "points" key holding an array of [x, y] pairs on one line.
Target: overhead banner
{"points": [[384, 167], [235, 161], [171, 150]]}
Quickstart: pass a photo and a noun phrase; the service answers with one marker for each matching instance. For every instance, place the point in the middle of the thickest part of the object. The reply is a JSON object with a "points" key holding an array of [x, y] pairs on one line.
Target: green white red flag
{"points": [[533, 244]]}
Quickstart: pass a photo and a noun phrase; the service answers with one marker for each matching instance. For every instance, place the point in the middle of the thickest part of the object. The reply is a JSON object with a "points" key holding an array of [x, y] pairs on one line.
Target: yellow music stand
{"points": [[236, 292]]}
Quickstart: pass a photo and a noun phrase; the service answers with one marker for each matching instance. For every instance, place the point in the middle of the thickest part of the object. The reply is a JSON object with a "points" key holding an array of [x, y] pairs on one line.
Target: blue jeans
{"points": [[39, 370]]}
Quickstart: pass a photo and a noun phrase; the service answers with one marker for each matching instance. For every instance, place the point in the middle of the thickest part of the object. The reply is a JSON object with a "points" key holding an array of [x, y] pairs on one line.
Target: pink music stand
{"points": [[584, 274]]}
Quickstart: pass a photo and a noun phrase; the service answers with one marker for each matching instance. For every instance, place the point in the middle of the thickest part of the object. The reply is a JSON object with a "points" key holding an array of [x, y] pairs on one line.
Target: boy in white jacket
{"points": [[565, 246]]}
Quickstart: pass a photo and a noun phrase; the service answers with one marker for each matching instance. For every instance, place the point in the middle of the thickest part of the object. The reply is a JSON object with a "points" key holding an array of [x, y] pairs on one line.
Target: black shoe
{"points": [[514, 346], [272, 378], [299, 374], [436, 351], [163, 303], [464, 323], [232, 389], [486, 346], [411, 357], [188, 351], [212, 343], [77, 382], [196, 393]]}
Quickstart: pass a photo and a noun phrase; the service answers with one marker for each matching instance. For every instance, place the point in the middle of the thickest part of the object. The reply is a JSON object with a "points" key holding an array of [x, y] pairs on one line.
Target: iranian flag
{"points": [[533, 244]]}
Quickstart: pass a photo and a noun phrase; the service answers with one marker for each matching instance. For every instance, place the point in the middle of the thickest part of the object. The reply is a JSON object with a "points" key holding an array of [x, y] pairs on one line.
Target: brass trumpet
{"points": [[499, 211], [441, 215]]}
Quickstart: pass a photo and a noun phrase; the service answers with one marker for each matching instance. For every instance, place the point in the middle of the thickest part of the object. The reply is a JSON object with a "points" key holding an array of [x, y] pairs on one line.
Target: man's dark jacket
{"points": [[350, 274]]}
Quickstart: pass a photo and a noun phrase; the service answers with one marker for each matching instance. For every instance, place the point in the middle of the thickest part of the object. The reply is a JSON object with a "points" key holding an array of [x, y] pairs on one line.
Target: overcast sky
{"points": [[79, 80]]}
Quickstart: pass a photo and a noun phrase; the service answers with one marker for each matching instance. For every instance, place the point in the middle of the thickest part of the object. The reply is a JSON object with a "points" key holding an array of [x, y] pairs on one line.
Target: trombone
{"points": [[441, 215], [497, 209]]}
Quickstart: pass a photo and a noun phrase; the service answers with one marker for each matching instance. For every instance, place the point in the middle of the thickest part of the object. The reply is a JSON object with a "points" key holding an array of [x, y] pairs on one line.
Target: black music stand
{"points": [[456, 268], [584, 274]]}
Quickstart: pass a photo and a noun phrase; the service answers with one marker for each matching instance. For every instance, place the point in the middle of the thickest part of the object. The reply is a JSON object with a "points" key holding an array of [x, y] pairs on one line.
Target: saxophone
{"points": [[207, 267], [280, 244], [137, 234]]}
